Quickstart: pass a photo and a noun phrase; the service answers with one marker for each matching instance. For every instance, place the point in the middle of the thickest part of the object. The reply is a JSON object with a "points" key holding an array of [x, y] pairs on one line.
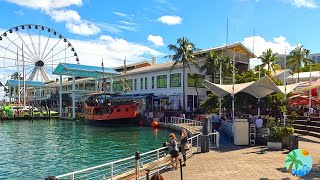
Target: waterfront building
{"points": [[166, 83], [157, 78]]}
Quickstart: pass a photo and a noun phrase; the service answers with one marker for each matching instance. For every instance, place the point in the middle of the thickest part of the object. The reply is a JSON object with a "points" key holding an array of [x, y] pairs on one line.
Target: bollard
{"points": [[137, 163], [204, 138]]}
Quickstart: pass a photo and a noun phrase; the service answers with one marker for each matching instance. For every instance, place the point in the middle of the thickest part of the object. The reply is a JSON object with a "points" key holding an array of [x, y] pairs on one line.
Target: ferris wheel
{"points": [[32, 52]]}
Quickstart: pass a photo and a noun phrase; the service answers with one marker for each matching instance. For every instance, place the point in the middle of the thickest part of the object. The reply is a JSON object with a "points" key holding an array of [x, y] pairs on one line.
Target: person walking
{"points": [[184, 144], [174, 151]]}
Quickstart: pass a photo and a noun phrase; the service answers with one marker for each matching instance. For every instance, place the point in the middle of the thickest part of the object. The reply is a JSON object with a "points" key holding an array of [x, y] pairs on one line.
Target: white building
{"points": [[159, 79]]}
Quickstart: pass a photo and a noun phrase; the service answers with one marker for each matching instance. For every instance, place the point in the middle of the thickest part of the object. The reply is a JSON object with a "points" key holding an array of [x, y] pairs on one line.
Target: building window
{"points": [[117, 86], [162, 81], [152, 82], [129, 85], [195, 80], [141, 83], [145, 83], [135, 84], [175, 80]]}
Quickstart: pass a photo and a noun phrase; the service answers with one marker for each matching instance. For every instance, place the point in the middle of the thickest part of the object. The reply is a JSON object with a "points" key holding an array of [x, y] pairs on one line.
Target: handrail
{"points": [[117, 167], [94, 167]]}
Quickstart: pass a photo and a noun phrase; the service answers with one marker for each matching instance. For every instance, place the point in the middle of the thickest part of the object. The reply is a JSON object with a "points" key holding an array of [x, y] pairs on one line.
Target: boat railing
{"points": [[181, 120], [152, 161]]}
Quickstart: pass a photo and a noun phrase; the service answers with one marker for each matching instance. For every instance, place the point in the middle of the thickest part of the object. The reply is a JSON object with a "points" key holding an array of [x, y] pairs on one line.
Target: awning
{"points": [[224, 89], [259, 89], [79, 70], [12, 83]]}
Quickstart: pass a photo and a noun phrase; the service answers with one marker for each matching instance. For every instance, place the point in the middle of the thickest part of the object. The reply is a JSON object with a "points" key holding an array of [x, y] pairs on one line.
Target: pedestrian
{"points": [[184, 145], [174, 152]]}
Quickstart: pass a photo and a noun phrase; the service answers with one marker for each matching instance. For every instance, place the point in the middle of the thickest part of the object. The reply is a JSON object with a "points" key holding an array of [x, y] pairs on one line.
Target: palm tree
{"points": [[293, 159], [184, 50], [226, 64], [297, 58], [14, 76], [269, 59], [212, 59]]}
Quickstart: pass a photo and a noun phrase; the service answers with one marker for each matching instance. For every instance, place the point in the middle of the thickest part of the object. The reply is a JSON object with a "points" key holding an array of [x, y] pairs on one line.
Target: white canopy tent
{"points": [[258, 89]]}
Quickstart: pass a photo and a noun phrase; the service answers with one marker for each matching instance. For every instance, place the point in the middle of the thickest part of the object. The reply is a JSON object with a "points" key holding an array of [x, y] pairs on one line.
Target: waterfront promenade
{"points": [[236, 162]]}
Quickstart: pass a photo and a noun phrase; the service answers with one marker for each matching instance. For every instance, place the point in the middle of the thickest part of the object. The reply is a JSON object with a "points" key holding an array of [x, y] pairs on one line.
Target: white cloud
{"points": [[65, 15], [118, 48], [20, 13], [278, 45], [156, 40], [74, 23], [170, 20], [120, 14], [46, 4], [83, 28], [304, 3]]}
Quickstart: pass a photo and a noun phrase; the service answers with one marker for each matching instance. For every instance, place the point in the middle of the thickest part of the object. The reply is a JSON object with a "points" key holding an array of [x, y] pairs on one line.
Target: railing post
{"points": [[217, 140], [137, 164], [197, 142], [72, 177], [111, 171], [158, 158]]}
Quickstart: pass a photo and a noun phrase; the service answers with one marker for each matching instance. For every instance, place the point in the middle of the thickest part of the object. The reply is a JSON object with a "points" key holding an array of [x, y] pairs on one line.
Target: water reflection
{"points": [[56, 147]]}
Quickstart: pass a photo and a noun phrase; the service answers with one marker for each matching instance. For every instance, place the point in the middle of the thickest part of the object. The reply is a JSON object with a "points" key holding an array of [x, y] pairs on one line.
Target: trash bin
{"points": [[293, 142]]}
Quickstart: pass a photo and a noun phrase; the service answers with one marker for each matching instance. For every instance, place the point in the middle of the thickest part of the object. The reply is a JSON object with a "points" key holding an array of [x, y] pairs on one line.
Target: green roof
{"points": [[79, 70], [28, 83]]}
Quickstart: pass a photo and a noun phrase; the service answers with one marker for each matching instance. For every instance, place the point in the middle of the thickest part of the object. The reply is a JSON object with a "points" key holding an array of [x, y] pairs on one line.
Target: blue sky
{"points": [[140, 29], [146, 27]]}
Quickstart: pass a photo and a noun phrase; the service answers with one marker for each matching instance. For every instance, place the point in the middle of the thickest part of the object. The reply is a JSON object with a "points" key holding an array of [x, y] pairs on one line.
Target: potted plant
{"points": [[275, 134], [274, 138], [286, 132]]}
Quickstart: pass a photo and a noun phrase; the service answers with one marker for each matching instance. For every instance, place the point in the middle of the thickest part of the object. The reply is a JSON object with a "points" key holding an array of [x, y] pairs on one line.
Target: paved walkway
{"points": [[232, 162]]}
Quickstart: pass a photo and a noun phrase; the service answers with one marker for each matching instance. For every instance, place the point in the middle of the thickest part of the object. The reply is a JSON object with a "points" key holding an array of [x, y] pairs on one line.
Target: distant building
{"points": [[315, 57]]}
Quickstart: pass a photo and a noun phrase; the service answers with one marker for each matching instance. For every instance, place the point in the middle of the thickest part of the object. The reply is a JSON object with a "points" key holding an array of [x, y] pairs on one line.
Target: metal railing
{"points": [[181, 120], [214, 139], [154, 161]]}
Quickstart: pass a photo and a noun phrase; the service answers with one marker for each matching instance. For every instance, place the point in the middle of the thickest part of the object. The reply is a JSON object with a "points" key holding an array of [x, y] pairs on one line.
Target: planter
{"points": [[285, 142], [274, 146]]}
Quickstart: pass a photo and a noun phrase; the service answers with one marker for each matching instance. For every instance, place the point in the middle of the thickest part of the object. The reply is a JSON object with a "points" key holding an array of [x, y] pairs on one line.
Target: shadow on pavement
{"points": [[301, 138]]}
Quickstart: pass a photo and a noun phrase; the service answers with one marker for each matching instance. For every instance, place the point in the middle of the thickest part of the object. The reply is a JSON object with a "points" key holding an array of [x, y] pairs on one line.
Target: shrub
{"points": [[286, 131], [275, 134], [293, 115]]}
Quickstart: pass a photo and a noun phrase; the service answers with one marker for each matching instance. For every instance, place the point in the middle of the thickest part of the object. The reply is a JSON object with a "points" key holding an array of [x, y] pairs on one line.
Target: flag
{"points": [[102, 65]]}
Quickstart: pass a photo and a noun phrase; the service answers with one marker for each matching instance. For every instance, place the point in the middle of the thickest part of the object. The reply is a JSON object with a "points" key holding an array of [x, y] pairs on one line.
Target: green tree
{"points": [[211, 103], [15, 75], [226, 67], [307, 67], [297, 58], [210, 65], [269, 59], [293, 159], [183, 54]]}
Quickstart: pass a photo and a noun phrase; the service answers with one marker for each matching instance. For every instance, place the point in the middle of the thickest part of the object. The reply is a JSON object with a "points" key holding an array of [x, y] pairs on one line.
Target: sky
{"points": [[113, 30]]}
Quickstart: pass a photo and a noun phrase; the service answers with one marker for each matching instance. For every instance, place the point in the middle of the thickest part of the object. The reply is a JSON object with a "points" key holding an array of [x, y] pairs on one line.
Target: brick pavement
{"points": [[234, 162]]}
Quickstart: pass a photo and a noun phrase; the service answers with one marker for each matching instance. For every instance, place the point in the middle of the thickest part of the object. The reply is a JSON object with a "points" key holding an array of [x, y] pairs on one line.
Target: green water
{"points": [[35, 150]]}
